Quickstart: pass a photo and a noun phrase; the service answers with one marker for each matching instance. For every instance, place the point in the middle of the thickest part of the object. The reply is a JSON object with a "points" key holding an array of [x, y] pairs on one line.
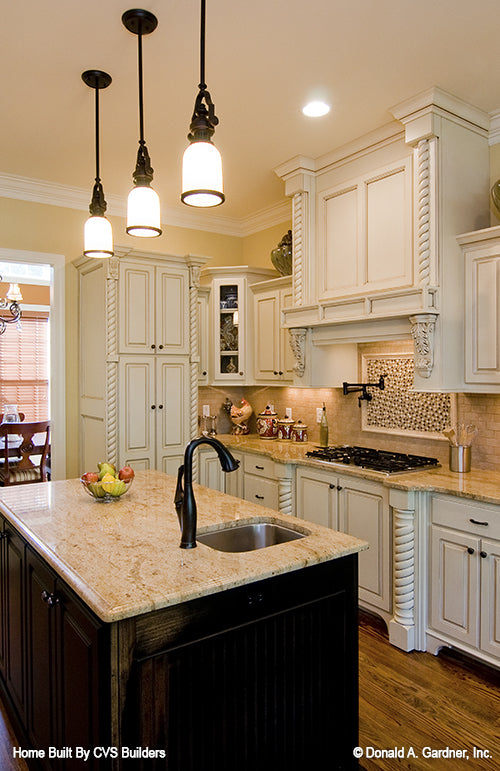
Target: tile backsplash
{"points": [[345, 416]]}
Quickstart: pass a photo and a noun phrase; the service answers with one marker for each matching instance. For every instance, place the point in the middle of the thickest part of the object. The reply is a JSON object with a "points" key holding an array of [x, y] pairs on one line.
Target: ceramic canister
{"points": [[267, 424], [299, 432], [285, 428]]}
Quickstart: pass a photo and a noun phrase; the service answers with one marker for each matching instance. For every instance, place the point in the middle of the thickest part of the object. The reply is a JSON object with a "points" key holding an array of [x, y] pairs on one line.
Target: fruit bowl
{"points": [[96, 490]]}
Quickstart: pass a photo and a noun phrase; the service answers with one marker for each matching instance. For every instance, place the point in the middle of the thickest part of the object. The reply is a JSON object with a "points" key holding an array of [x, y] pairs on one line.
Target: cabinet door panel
{"points": [[266, 336], [287, 357], [137, 308], [211, 473], [14, 669], [172, 330], [173, 418], [482, 328], [455, 584], [41, 621], [364, 513], [316, 498], [136, 399], [265, 492], [490, 597]]}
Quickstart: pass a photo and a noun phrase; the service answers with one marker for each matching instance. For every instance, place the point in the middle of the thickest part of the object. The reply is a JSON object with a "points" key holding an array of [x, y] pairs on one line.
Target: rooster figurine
{"points": [[239, 416]]}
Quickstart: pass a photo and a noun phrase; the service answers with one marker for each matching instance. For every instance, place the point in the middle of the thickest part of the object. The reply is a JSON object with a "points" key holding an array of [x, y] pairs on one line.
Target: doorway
{"points": [[55, 266]]}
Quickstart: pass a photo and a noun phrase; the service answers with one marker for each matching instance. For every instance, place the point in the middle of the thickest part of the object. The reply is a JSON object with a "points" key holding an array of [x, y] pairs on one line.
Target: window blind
{"points": [[24, 366]]}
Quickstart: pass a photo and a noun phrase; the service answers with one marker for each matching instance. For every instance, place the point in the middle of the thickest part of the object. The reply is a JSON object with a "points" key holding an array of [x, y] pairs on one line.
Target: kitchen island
{"points": [[113, 637]]}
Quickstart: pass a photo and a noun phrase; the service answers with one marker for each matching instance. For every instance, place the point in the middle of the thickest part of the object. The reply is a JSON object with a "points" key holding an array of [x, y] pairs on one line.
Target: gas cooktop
{"points": [[376, 460]]}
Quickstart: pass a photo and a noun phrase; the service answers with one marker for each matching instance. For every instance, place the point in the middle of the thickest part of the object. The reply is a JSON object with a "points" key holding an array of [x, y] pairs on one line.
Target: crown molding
{"points": [[494, 136], [52, 194]]}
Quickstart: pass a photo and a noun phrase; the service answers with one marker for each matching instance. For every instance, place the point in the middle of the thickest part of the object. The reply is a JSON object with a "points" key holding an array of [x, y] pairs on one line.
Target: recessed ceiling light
{"points": [[316, 109]]}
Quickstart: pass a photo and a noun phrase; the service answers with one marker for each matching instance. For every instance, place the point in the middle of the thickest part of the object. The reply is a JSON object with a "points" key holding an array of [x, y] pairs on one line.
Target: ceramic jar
{"points": [[299, 432], [267, 424], [285, 428]]}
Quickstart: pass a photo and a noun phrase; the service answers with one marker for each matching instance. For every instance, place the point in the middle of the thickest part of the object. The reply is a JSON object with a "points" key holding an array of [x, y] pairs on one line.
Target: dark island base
{"points": [[260, 676]]}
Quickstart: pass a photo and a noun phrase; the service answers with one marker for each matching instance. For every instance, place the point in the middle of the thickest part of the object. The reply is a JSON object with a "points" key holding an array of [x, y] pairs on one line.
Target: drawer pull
{"points": [[50, 598], [260, 497], [261, 468], [483, 554], [477, 522], [470, 550]]}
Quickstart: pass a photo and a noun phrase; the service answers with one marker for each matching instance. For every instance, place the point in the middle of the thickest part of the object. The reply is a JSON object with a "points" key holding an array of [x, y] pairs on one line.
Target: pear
{"points": [[106, 468], [118, 488]]}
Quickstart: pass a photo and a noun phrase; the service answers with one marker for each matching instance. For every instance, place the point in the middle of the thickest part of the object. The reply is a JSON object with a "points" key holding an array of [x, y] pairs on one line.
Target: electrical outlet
{"points": [[206, 410], [271, 407], [319, 413], [288, 412]]}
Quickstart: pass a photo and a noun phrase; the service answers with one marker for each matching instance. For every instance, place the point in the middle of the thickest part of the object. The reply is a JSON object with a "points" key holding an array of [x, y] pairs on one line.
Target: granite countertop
{"points": [[123, 558], [477, 484]]}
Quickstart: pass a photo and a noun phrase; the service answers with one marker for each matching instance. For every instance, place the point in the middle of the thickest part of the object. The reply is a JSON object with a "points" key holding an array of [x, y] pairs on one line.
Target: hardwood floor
{"points": [[419, 700], [406, 700]]}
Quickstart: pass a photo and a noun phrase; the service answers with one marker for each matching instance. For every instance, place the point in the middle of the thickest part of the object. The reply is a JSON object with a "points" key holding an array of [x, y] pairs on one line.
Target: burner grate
{"points": [[376, 460]]}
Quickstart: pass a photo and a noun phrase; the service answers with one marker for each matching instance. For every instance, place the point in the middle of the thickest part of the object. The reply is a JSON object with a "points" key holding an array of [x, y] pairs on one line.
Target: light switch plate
{"points": [[288, 412], [206, 410], [319, 412]]}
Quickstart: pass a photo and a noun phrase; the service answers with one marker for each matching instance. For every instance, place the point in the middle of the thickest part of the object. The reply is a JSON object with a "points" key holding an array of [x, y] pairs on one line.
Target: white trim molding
{"points": [[57, 350]]}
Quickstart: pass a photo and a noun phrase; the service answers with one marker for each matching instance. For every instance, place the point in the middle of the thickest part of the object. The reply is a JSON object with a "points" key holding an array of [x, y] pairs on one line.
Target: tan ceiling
{"points": [[265, 58]]}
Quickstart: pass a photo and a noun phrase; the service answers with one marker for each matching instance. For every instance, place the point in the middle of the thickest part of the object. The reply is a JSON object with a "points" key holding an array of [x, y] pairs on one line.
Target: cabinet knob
{"points": [[483, 554], [470, 550], [153, 346], [275, 372], [204, 372], [4, 535], [332, 487], [242, 373], [50, 598], [280, 372], [153, 406], [160, 347], [160, 406], [339, 487]]}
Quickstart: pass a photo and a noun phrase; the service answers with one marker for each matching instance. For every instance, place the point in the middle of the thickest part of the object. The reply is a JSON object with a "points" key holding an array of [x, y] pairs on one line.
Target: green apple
{"points": [[106, 468]]}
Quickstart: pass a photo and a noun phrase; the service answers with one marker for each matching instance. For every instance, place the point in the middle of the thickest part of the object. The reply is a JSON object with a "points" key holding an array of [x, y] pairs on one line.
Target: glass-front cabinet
{"points": [[230, 318]]}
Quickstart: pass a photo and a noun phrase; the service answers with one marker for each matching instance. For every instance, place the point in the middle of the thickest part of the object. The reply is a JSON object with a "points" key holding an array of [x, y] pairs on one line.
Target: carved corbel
{"points": [[422, 332], [298, 346]]}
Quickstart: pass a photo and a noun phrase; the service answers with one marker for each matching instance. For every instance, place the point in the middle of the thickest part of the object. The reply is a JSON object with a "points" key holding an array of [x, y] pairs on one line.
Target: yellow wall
{"points": [[257, 247], [494, 175]]}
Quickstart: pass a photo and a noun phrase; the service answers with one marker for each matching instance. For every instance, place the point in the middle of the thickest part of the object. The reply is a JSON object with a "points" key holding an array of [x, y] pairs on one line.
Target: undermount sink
{"points": [[249, 537]]}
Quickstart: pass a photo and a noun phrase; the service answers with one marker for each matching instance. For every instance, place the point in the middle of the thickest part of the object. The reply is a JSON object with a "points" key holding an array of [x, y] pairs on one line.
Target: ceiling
{"points": [[264, 60]]}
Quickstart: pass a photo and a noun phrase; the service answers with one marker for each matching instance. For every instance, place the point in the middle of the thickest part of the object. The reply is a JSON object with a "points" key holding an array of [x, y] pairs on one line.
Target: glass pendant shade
{"points": [[98, 237], [143, 212], [202, 175]]}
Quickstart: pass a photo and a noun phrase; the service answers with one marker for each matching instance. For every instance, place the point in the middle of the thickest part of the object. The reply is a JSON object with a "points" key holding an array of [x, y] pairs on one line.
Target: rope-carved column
{"points": [[298, 213], [112, 361], [285, 496], [194, 358], [402, 630], [422, 152]]}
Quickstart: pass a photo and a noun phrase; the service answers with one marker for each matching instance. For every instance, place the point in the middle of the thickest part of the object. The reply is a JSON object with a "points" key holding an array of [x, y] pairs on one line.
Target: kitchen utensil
{"points": [[460, 458], [450, 435]]}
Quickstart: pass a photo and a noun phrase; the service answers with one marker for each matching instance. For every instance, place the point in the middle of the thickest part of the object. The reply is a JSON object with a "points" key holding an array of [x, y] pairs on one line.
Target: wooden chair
{"points": [[16, 465]]}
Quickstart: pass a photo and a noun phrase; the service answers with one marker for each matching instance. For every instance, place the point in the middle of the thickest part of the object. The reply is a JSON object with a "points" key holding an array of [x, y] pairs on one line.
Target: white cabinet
{"points": [[202, 351], [482, 308], [153, 401], [464, 577], [210, 471], [358, 507], [273, 357], [138, 359], [152, 308], [231, 349]]}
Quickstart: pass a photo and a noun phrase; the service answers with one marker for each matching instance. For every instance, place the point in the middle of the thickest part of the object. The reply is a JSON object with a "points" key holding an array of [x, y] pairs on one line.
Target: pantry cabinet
{"points": [[361, 508], [139, 358], [273, 357], [481, 251], [464, 578]]}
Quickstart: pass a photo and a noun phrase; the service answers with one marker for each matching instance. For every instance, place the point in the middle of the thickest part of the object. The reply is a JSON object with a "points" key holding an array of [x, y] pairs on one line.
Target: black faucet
{"points": [[185, 504]]}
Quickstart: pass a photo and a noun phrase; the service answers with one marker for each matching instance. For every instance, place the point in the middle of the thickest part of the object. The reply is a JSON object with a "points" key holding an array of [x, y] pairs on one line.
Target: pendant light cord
{"points": [[141, 93], [202, 86], [97, 149]]}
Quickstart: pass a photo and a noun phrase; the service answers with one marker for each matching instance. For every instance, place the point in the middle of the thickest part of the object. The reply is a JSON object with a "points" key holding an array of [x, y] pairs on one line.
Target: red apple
{"points": [[126, 473], [90, 476]]}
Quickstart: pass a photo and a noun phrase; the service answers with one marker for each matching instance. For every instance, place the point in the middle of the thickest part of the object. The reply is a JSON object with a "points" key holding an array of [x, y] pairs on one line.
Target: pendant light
{"points": [[202, 163], [10, 302], [143, 206], [98, 234]]}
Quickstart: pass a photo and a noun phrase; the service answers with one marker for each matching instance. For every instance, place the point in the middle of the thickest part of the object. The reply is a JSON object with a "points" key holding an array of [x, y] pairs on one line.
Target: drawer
{"points": [[258, 464], [463, 514], [262, 491]]}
